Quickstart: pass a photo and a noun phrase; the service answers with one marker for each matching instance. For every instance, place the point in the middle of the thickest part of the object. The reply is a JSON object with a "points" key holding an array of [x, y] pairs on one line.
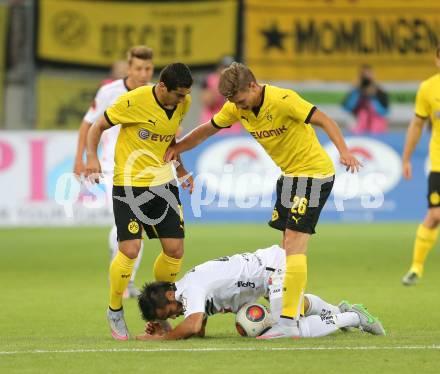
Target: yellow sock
{"points": [[120, 274], [166, 268], [294, 285], [425, 240]]}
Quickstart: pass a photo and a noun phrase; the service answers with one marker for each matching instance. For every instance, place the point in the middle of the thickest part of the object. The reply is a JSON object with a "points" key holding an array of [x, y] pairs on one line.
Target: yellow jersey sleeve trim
{"points": [[107, 118]]}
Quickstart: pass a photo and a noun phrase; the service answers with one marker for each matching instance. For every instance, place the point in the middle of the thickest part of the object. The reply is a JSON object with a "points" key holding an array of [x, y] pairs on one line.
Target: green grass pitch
{"points": [[54, 298]]}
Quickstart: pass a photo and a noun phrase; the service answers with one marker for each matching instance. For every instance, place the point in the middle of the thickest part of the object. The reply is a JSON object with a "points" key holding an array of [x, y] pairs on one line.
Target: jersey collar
{"points": [[168, 112], [125, 84], [256, 109]]}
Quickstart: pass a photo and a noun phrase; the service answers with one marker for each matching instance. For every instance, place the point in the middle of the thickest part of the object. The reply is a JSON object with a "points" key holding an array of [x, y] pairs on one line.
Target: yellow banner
{"points": [[322, 40], [3, 25], [62, 102], [98, 33]]}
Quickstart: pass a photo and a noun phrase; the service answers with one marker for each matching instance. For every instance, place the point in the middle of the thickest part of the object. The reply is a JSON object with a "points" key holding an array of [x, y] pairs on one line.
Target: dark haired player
{"points": [[145, 193], [226, 284]]}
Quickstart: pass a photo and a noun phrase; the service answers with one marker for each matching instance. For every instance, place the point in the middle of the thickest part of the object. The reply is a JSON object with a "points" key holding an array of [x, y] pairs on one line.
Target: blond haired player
{"points": [[427, 107], [139, 73], [145, 193], [279, 119]]}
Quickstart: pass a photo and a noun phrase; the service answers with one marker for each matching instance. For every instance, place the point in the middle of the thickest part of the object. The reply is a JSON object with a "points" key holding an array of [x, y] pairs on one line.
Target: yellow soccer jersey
{"points": [[282, 128], [147, 130], [428, 106]]}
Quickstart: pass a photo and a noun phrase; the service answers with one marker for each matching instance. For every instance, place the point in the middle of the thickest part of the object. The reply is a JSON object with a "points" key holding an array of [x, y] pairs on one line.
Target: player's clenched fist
{"points": [[93, 169], [171, 154]]}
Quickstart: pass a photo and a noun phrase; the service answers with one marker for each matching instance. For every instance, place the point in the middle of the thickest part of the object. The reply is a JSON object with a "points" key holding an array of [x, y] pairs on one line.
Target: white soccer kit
{"points": [[227, 283]]}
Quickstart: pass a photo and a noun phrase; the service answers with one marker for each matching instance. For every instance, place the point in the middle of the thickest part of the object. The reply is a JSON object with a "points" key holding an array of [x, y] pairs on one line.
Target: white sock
{"points": [[113, 242], [315, 326], [319, 307], [114, 248], [347, 319]]}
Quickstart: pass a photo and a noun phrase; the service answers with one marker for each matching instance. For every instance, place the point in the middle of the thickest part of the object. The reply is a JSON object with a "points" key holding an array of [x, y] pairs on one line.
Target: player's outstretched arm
{"points": [[202, 331], [191, 140], [79, 167], [186, 180], [93, 168], [191, 325], [413, 135], [335, 134]]}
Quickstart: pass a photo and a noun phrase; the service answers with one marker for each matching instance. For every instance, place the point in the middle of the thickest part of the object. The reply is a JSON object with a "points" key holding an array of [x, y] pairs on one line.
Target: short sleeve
{"points": [[99, 105], [301, 110], [122, 112], [226, 117], [422, 107], [193, 301]]}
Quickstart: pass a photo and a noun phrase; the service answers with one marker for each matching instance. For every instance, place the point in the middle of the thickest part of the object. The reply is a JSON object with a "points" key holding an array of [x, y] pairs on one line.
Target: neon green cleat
{"points": [[344, 306], [368, 322]]}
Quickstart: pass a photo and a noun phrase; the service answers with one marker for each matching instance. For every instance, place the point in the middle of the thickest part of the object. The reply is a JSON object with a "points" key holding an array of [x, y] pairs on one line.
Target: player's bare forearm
{"points": [[192, 325], [333, 131], [331, 128], [94, 136], [93, 168], [180, 165], [201, 333], [186, 180], [78, 167], [196, 136], [413, 135], [82, 139]]}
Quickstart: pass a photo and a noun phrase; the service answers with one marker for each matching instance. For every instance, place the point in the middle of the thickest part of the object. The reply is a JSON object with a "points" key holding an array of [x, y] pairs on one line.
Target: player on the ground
{"points": [[279, 119], [145, 193], [427, 106], [139, 73], [226, 284]]}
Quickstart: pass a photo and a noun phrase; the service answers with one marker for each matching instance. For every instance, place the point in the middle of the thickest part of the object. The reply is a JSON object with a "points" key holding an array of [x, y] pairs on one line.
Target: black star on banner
{"points": [[274, 37]]}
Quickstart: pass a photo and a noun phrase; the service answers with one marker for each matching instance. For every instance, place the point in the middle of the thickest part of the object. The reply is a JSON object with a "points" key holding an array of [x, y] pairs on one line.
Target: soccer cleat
{"points": [[344, 306], [281, 330], [368, 323], [131, 291], [117, 324], [410, 279]]}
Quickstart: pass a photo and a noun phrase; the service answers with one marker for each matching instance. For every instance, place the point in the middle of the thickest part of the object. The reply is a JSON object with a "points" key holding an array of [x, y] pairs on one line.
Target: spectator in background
{"points": [[119, 70], [212, 100], [368, 103]]}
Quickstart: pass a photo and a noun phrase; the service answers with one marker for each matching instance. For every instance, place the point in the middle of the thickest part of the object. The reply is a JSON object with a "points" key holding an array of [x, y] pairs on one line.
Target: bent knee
{"points": [[130, 248]]}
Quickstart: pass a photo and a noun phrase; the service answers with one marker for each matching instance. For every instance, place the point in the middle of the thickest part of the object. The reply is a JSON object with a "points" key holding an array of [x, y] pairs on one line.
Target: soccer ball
{"points": [[252, 320]]}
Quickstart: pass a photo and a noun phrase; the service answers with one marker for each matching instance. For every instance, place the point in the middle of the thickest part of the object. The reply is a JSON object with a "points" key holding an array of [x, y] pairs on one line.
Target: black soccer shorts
{"points": [[299, 203], [157, 209]]}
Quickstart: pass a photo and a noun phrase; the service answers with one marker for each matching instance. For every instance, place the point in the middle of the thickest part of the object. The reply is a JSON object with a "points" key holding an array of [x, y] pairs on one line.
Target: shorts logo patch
{"points": [[434, 198], [296, 219], [275, 215], [133, 227], [144, 134]]}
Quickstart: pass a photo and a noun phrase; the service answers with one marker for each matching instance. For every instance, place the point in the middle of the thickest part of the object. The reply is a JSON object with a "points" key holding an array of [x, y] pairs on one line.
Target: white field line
{"points": [[225, 349]]}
